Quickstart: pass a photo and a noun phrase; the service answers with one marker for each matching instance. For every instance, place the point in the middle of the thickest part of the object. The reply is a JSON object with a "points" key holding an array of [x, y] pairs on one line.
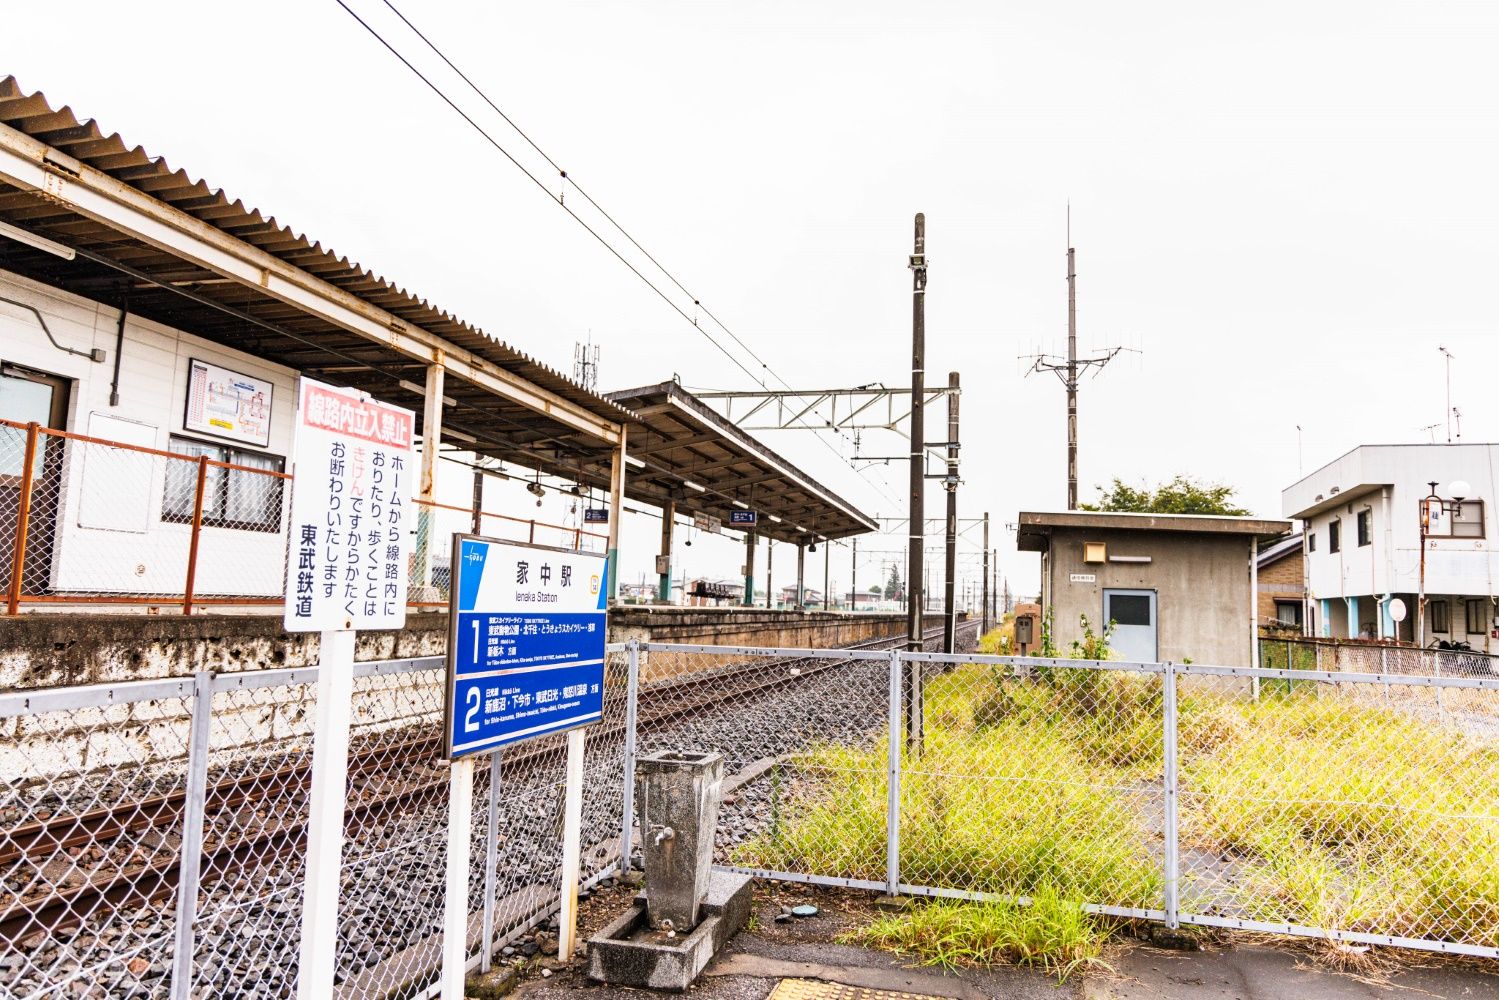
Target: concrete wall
{"points": [[1201, 584], [50, 650]]}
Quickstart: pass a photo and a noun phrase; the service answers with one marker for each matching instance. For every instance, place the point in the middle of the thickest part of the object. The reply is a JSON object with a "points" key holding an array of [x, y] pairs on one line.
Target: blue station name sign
{"points": [[525, 643]]}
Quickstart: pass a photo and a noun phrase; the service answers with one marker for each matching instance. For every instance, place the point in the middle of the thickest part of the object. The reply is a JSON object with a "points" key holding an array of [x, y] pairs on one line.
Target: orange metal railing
{"points": [[92, 521]]}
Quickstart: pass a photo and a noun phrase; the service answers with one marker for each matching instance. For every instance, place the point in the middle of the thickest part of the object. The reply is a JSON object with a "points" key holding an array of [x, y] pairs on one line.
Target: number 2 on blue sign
{"points": [[472, 697]]}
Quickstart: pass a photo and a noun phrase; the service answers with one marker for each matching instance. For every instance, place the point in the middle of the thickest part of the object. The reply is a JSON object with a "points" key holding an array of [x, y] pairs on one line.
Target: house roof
{"points": [[1036, 527], [1281, 548]]}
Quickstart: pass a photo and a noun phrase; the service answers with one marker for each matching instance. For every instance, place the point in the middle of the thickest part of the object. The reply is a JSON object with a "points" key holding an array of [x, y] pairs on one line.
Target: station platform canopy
{"points": [[84, 211], [683, 450], [116, 224]]}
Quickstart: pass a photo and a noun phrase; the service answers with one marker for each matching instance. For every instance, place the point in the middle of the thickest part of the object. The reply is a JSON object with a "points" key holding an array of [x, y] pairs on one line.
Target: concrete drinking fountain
{"points": [[687, 911]]}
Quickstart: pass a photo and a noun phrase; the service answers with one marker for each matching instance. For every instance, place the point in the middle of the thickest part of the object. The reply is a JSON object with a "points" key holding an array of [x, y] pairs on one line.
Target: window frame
{"points": [[1364, 527], [1296, 619], [1438, 611], [228, 462], [1448, 522], [1469, 606], [1335, 535]]}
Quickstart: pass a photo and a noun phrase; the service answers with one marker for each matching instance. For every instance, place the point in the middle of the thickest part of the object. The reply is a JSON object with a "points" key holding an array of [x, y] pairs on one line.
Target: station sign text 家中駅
{"points": [[525, 644]]}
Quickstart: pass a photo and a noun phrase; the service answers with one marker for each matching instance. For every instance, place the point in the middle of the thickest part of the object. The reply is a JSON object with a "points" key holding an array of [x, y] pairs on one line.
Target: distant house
{"points": [[1282, 583], [1363, 515]]}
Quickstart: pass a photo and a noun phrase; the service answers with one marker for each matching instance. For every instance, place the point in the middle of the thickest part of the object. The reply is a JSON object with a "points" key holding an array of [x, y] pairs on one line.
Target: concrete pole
{"points": [[853, 578], [911, 701], [616, 513], [478, 501], [827, 574], [668, 524], [949, 595], [801, 581], [770, 552], [749, 569], [984, 625], [427, 484]]}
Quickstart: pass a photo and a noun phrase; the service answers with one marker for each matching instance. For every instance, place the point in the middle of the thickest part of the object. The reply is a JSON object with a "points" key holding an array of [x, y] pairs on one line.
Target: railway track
{"points": [[372, 801]]}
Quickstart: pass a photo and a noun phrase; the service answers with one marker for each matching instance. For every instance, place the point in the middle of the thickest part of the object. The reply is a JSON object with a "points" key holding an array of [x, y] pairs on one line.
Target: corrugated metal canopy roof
{"points": [[682, 440], [679, 438], [166, 287]]}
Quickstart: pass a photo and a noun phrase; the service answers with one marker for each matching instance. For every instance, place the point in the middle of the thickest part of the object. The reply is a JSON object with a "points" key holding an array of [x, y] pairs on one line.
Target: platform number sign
{"points": [[525, 643]]}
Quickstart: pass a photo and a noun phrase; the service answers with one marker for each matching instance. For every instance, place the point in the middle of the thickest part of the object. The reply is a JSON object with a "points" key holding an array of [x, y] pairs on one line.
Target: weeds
{"points": [[1051, 933]]}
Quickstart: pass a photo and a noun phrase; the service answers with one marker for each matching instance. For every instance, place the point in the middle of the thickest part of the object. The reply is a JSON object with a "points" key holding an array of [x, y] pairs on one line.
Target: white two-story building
{"points": [[1364, 543]]}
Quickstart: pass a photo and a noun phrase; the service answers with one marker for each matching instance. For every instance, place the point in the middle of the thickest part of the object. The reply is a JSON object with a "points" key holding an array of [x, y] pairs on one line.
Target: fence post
{"points": [[192, 835], [23, 520], [627, 799], [192, 549], [892, 790], [491, 862], [1173, 858]]}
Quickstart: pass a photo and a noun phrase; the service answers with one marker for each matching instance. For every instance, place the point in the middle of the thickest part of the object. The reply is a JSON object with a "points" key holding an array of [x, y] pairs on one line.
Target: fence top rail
{"points": [[1372, 646], [777, 651], [66, 699], [1035, 662], [61, 699], [142, 449], [1339, 676]]}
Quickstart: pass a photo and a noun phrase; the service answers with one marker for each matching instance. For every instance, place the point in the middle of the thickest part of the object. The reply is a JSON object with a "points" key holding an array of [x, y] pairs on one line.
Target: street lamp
{"points": [[1433, 505]]}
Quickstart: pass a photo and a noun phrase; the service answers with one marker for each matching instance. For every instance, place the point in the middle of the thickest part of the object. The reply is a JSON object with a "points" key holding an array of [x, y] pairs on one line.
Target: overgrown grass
{"points": [[1051, 933], [1314, 805], [1353, 817]]}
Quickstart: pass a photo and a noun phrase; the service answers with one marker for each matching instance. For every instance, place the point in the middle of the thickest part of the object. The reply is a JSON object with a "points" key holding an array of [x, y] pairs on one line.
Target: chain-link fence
{"points": [[152, 834]]}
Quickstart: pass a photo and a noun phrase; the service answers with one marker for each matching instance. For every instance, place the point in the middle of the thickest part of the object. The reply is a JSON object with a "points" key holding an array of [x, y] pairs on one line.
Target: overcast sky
{"points": [[1286, 207]]}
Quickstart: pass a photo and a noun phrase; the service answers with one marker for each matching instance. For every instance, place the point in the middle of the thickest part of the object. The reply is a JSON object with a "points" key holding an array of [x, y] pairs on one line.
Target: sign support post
{"points": [[325, 822], [572, 835], [455, 898]]}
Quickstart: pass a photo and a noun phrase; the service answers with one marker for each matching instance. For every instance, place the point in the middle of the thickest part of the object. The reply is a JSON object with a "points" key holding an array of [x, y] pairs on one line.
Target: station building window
{"points": [[1477, 616], [1439, 619], [232, 498]]}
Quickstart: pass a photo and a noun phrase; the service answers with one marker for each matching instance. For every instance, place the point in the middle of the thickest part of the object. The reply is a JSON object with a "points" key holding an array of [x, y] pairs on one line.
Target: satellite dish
{"points": [[1397, 609]]}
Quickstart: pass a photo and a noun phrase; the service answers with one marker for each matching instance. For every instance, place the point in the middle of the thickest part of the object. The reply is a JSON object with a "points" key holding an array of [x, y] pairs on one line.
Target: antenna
{"points": [[1067, 369], [1448, 355], [586, 363]]}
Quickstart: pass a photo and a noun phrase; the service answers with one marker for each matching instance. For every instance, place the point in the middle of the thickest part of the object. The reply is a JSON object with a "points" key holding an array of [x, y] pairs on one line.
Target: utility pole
{"points": [[912, 703], [1067, 370], [853, 578], [984, 625], [950, 611]]}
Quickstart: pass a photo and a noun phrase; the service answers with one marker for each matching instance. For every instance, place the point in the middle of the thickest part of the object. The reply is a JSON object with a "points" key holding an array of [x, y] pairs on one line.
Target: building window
{"points": [[1288, 612], [1311, 541], [1465, 521], [1334, 529], [232, 497], [1365, 527], [1477, 615], [1439, 620]]}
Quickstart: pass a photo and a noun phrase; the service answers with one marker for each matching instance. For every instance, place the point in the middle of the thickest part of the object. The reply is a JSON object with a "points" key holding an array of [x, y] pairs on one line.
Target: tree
{"points": [[875, 590], [1182, 495], [892, 585]]}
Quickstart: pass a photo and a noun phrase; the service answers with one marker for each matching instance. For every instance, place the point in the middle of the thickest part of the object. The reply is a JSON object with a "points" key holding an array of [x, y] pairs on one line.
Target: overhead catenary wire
{"points": [[561, 203]]}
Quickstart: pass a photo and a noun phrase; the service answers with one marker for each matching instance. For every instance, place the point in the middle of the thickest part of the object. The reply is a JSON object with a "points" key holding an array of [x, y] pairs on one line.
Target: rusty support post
{"points": [[192, 549], [23, 519]]}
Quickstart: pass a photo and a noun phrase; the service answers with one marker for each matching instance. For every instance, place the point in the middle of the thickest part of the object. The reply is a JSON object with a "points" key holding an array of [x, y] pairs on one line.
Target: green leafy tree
{"points": [[875, 590], [893, 584], [1182, 495]]}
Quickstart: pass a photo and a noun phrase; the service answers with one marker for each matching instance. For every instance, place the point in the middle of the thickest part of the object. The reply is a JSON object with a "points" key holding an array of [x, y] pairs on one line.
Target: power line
{"points": [[561, 202], [535, 180]]}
